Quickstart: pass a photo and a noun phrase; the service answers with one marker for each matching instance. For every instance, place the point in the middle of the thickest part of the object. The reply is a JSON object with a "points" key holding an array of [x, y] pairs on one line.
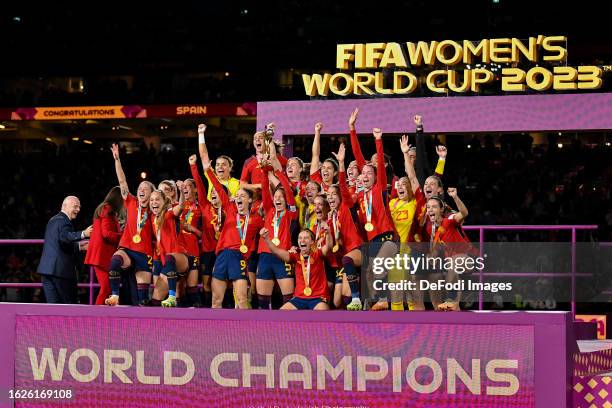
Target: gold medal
{"points": [[307, 291], [276, 241], [244, 249], [335, 248], [369, 227], [136, 239]]}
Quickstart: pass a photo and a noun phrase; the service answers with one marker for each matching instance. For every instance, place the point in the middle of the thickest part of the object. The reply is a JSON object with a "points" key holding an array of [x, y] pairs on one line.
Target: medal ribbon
{"points": [[368, 207], [277, 221], [306, 271], [336, 224], [140, 222], [242, 230]]}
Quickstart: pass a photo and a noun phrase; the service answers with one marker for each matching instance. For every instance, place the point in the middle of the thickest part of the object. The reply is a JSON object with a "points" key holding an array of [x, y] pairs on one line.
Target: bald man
{"points": [[57, 265]]}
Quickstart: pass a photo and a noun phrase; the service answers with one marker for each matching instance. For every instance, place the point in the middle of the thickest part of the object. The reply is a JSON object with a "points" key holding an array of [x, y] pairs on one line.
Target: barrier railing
{"points": [[573, 228], [480, 228], [91, 285]]}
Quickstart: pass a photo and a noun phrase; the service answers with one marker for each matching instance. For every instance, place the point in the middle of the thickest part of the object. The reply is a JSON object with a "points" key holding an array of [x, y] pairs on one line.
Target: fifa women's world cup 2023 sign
{"points": [[536, 64]]}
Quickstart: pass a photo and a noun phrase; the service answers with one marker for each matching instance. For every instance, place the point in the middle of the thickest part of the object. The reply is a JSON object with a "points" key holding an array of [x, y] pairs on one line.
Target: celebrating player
{"points": [[136, 244], [236, 243], [311, 284], [281, 217], [372, 210], [345, 234], [325, 173]]}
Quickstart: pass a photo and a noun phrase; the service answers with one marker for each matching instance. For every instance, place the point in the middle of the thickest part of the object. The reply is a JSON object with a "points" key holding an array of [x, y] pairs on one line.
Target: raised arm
{"points": [[315, 162], [177, 209], [423, 169], [119, 170], [381, 172], [463, 211], [286, 186], [328, 239], [355, 141], [347, 197], [266, 196], [408, 165], [442, 152], [282, 254], [202, 149], [202, 196]]}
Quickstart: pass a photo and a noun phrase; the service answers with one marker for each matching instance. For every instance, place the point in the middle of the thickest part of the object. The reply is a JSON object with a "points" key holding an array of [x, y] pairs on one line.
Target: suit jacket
{"points": [[60, 249], [104, 240]]}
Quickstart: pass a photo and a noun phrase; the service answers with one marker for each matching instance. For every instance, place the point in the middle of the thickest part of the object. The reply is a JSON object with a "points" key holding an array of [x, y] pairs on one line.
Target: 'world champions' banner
{"points": [[164, 362]]}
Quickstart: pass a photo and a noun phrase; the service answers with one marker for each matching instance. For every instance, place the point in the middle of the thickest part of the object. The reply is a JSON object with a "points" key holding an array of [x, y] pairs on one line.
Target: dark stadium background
{"points": [[122, 53]]}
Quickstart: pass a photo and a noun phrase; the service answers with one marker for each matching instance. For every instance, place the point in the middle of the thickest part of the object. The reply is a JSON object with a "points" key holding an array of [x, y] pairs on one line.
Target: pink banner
{"points": [[161, 362]]}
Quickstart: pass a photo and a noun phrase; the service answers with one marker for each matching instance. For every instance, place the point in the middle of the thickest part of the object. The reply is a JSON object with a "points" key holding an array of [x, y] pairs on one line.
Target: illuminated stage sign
{"points": [[483, 61], [229, 363]]}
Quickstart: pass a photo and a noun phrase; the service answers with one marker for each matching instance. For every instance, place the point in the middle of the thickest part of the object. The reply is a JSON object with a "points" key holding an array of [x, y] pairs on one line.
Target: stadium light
{"points": [[87, 142], [76, 139], [143, 175], [560, 145]]}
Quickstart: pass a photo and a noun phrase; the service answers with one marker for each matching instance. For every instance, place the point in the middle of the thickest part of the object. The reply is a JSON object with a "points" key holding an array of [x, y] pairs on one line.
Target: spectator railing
{"points": [[573, 228], [480, 228], [91, 285]]}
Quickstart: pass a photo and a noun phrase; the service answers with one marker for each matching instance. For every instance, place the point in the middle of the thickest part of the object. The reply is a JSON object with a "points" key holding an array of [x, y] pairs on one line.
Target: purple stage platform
{"points": [[201, 357]]}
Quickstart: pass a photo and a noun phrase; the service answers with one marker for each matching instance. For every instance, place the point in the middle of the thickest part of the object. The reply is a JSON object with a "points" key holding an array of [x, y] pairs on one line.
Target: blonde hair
{"points": [[165, 207]]}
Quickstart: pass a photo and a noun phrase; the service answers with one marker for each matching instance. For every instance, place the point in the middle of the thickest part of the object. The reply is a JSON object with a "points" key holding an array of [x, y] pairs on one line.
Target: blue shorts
{"points": [[230, 266], [270, 267], [157, 267], [140, 262], [207, 263], [339, 272], [252, 262], [377, 242], [306, 304], [193, 262]]}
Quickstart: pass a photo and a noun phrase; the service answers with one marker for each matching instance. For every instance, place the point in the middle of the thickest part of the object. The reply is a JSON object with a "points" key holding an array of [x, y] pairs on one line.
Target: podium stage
{"points": [[140, 357]]}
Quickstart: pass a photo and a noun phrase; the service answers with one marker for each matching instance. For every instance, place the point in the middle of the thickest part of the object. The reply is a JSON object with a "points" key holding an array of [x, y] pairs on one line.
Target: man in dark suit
{"points": [[57, 265]]}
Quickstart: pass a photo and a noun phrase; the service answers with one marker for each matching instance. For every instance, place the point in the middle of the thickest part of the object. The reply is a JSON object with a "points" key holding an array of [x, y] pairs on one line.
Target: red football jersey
{"points": [[230, 236], [251, 170], [317, 178], [373, 201], [145, 245], [191, 215], [166, 237], [211, 216], [317, 281], [285, 219]]}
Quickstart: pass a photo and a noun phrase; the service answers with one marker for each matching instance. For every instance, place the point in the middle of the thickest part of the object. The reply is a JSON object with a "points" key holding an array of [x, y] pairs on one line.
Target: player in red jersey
{"points": [[346, 236], [311, 290], [446, 230], [336, 279], [373, 210], [175, 260], [104, 240], [251, 177], [354, 181], [324, 173], [281, 217], [212, 217], [236, 243], [136, 244], [189, 234], [421, 223]]}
